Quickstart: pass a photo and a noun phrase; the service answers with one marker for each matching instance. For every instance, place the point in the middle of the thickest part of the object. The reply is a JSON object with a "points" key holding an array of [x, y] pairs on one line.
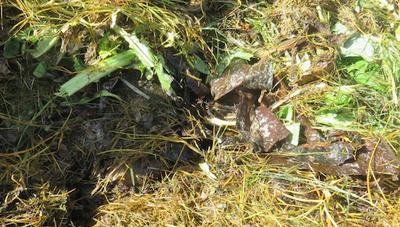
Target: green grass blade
{"points": [[96, 72]]}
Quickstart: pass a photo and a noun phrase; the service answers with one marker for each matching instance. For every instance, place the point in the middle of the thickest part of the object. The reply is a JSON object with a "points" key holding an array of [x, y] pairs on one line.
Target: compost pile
{"points": [[193, 113]]}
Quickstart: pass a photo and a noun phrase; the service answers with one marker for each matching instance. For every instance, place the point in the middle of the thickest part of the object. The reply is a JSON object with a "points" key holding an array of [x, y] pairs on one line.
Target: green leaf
{"points": [[40, 70], [148, 60], [164, 78], [78, 64], [148, 73], [342, 96], [201, 66], [286, 112], [367, 73], [44, 45], [227, 59], [107, 46], [323, 15], [142, 51], [339, 119], [11, 48]]}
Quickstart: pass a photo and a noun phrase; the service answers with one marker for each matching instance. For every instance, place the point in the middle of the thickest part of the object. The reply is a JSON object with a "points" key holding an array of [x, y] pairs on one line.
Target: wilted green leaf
{"points": [[286, 113], [44, 45], [200, 65], [142, 51], [323, 15], [261, 26], [11, 48], [164, 78], [40, 70]]}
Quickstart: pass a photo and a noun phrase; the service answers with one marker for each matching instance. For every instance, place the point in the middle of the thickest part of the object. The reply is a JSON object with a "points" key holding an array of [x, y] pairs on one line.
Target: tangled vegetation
{"points": [[152, 112]]}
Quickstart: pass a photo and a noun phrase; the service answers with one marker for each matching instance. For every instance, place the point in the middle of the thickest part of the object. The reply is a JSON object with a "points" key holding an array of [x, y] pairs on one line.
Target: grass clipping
{"points": [[244, 189], [251, 193]]}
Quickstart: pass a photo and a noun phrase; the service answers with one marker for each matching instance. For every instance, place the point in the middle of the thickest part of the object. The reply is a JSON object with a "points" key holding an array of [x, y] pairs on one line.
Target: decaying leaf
{"points": [[384, 160], [341, 158], [197, 87], [267, 129], [257, 76], [245, 111], [258, 125], [311, 134]]}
